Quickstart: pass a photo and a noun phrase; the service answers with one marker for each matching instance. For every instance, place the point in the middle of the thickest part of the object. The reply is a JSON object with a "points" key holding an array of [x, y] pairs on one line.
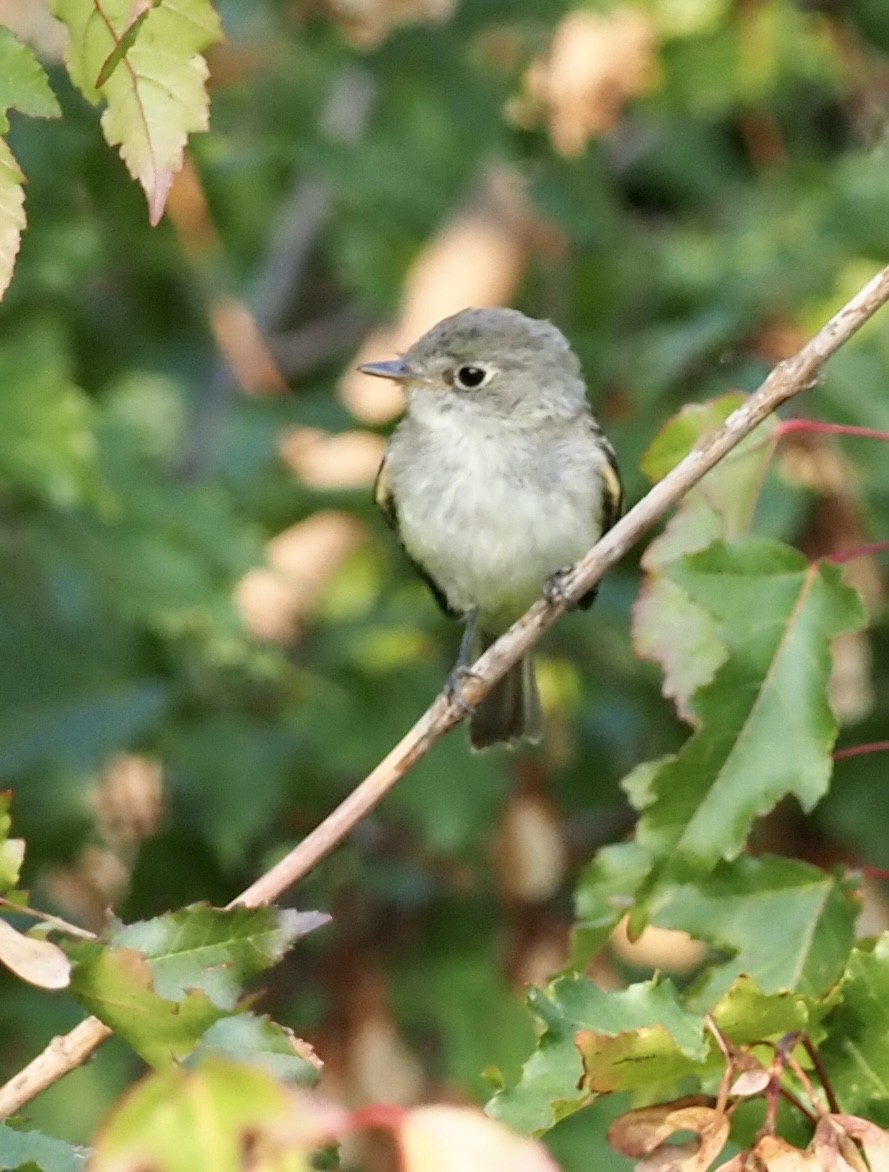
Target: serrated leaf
{"points": [[20, 1148], [215, 950], [746, 1014], [766, 727], [783, 923], [641, 1038], [116, 985], [23, 86], [248, 1038], [181, 1120], [154, 87], [162, 983], [12, 213], [549, 1086], [604, 895], [668, 626], [855, 1051]]}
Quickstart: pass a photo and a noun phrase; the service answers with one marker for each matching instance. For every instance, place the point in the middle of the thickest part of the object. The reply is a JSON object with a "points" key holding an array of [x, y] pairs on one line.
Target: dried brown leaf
{"points": [[776, 1155], [39, 962], [595, 64], [643, 1133], [873, 1139], [832, 1148]]}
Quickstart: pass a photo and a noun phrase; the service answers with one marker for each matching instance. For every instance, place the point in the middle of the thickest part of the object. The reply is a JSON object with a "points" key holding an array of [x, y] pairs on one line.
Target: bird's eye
{"points": [[469, 378]]}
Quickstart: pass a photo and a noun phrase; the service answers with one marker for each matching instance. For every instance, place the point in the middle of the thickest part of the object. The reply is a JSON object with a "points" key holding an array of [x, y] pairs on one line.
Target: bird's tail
{"points": [[511, 710]]}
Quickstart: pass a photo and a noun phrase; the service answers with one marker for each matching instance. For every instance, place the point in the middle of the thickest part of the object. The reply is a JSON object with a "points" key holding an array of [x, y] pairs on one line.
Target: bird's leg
{"points": [[554, 587], [461, 671], [554, 591]]}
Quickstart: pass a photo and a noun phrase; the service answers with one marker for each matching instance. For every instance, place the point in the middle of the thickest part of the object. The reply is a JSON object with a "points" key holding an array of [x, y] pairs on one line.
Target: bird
{"points": [[497, 479]]}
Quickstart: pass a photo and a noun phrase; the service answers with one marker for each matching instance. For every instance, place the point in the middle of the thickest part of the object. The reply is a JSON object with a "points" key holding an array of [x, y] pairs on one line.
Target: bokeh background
{"points": [[207, 636]]}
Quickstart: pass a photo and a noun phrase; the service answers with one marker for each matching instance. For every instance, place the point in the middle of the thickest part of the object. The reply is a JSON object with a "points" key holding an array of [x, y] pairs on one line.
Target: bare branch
{"points": [[787, 379]]}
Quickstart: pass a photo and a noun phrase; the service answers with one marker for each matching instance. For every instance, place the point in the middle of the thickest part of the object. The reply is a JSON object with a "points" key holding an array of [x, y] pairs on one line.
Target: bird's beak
{"points": [[397, 369]]}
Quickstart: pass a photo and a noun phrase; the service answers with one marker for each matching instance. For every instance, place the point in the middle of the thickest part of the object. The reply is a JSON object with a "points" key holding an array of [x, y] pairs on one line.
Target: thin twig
{"points": [[787, 379], [823, 1077], [47, 918]]}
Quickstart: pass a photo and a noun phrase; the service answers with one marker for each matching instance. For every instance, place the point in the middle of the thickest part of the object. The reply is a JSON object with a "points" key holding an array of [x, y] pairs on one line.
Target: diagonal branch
{"points": [[789, 378]]}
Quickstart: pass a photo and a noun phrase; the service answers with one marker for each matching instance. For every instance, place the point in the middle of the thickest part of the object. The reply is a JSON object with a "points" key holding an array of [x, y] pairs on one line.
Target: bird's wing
{"points": [[613, 494], [383, 495], [612, 497]]}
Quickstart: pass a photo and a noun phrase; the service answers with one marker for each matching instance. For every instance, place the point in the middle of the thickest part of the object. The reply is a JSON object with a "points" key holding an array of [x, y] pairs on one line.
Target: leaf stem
{"points": [[860, 551], [793, 426], [861, 750], [47, 918]]}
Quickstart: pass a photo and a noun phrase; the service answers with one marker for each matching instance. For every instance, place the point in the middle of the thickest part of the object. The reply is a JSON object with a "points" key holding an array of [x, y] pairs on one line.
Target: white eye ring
{"points": [[471, 376]]}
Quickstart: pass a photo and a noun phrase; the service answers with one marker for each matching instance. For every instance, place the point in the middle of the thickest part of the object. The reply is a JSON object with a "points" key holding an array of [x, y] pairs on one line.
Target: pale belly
{"points": [[491, 523]]}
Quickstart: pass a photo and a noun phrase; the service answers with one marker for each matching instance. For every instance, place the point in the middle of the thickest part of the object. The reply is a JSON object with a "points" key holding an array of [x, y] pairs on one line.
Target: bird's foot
{"points": [[554, 588], [460, 676]]}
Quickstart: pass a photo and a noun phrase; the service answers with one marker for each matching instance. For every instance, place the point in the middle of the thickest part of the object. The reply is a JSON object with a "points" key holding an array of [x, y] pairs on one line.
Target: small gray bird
{"points": [[497, 479]]}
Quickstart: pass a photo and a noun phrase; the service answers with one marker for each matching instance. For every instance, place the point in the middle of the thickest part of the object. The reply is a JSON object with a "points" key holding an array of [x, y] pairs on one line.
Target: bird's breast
{"points": [[490, 510]]}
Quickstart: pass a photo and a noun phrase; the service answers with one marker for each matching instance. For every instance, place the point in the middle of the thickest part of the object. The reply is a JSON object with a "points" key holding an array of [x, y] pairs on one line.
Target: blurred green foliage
{"points": [[741, 198]]}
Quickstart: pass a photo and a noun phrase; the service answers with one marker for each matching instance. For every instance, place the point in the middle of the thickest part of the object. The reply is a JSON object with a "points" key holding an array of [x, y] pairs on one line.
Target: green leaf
{"points": [[679, 434], [783, 923], [214, 950], [766, 728], [604, 896], [573, 1007], [154, 83], [181, 1120], [162, 983], [23, 86], [117, 986], [19, 1148], [12, 850], [248, 1038], [855, 1050], [668, 626], [745, 1014], [639, 1039], [12, 213]]}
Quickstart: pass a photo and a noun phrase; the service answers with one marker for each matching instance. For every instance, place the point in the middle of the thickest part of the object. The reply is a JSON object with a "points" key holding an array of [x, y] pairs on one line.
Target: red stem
{"points": [[789, 426], [861, 750], [860, 551]]}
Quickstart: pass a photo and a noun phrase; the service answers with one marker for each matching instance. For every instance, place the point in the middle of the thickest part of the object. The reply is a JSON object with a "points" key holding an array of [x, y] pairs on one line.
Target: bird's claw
{"points": [[554, 588], [454, 688]]}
